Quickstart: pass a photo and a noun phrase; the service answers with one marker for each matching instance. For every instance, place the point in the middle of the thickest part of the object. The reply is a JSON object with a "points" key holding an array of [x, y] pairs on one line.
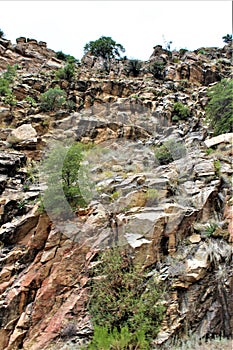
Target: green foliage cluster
{"points": [[219, 110], [169, 151], [227, 38], [31, 101], [6, 80], [217, 165], [157, 69], [64, 57], [52, 99], [66, 73], [104, 47], [163, 155], [125, 306], [182, 52], [210, 229], [180, 112], [133, 67], [62, 172]]}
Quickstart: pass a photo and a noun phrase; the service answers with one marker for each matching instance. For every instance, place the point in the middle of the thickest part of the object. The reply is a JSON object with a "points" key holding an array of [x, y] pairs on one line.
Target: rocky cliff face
{"points": [[174, 216]]}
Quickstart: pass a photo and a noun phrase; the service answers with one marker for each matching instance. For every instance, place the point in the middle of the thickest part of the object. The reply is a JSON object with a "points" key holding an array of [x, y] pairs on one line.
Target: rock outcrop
{"points": [[174, 216]]}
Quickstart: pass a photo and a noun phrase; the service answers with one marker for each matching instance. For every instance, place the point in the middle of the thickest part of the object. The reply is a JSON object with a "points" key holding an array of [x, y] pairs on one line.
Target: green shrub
{"points": [[157, 69], [180, 111], [202, 52], [182, 52], [227, 38], [118, 340], [61, 171], [52, 99], [9, 99], [163, 155], [66, 73], [210, 229], [31, 101], [217, 165], [4, 87], [133, 67], [123, 302], [6, 80], [104, 47], [64, 57], [219, 110], [10, 73]]}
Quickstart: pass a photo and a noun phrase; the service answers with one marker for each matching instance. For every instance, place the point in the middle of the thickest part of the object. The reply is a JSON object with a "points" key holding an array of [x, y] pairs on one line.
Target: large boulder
{"points": [[25, 136]]}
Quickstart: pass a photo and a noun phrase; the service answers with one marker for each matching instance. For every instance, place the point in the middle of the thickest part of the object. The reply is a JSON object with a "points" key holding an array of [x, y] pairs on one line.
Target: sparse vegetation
{"points": [[53, 99], [217, 166], [6, 81], [126, 308], [219, 110], [157, 69], [64, 57], [133, 67], [180, 112], [163, 155], [210, 229], [66, 73]]}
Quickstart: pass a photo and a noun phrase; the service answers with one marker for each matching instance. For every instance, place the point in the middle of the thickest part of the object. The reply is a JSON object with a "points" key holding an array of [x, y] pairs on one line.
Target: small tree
{"points": [[53, 99], [62, 174], [227, 38], [219, 110], [104, 47]]}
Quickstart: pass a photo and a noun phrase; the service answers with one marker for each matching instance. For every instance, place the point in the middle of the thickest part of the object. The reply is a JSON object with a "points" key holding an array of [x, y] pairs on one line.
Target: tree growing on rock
{"points": [[219, 110], [104, 47], [227, 38], [1, 33]]}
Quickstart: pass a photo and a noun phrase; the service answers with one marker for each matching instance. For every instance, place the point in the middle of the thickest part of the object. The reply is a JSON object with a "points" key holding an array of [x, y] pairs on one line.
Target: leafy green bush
{"points": [[66, 73], [219, 110], [104, 47], [52, 99], [64, 57], [4, 87], [6, 80], [180, 111], [31, 101], [123, 301], [227, 38], [182, 52], [118, 340], [163, 155], [133, 67], [157, 69], [61, 171]]}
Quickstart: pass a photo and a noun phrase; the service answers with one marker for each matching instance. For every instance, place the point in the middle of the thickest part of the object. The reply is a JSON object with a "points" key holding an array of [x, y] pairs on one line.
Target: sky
{"points": [[138, 25]]}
